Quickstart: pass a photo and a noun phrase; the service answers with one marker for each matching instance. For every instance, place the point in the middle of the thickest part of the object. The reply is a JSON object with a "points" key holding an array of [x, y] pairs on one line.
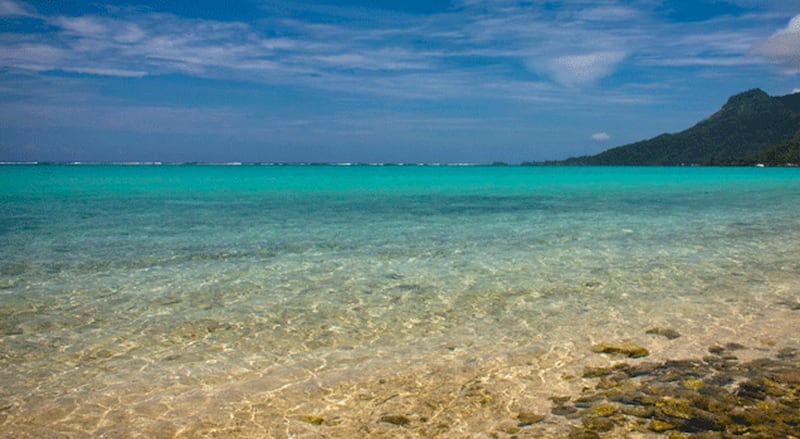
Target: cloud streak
{"points": [[474, 43], [10, 8]]}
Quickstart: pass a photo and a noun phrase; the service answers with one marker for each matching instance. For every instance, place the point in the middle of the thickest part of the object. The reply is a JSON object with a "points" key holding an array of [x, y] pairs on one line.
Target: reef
{"points": [[713, 397]]}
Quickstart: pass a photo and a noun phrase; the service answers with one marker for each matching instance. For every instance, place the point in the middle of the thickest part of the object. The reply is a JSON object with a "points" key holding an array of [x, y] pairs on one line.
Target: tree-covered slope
{"points": [[748, 123], [786, 153]]}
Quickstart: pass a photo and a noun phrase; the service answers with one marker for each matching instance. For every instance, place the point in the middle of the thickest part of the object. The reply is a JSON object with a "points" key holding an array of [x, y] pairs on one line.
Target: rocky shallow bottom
{"points": [[639, 381], [716, 396]]}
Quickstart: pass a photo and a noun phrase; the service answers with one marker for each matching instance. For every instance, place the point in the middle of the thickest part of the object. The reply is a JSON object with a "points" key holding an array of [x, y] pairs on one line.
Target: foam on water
{"points": [[166, 300]]}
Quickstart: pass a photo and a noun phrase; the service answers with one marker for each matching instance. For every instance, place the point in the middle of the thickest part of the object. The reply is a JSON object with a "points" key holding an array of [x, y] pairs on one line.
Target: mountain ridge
{"points": [[750, 123]]}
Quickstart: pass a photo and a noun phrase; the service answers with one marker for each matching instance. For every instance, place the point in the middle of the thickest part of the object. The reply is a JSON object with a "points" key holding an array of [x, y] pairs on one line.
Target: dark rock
{"points": [[734, 347], [626, 348], [583, 434], [791, 304], [528, 418], [720, 379], [611, 381], [598, 423], [586, 401], [753, 390], [563, 410], [395, 419], [702, 422], [787, 354], [745, 416], [664, 332], [596, 372], [646, 368], [639, 411], [685, 366]]}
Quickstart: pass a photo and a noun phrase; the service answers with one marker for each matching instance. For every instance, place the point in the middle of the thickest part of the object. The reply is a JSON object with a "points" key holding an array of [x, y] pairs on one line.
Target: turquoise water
{"points": [[128, 292]]}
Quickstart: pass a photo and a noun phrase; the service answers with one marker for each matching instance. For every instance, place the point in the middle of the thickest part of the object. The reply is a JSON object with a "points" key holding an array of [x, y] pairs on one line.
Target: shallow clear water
{"points": [[150, 299]]}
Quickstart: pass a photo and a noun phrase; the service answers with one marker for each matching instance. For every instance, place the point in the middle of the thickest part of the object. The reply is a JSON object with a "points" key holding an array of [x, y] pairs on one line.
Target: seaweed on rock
{"points": [[716, 396]]}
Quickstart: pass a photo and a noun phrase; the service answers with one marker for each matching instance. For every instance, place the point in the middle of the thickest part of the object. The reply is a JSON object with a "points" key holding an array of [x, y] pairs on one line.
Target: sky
{"points": [[376, 81]]}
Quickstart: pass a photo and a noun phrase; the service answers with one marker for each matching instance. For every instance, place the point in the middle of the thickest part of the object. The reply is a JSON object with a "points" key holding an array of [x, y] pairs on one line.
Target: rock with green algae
{"points": [[597, 423], [312, 419], [603, 409], [625, 348], [395, 420], [713, 397], [563, 410], [660, 426], [582, 434], [597, 372], [528, 418]]}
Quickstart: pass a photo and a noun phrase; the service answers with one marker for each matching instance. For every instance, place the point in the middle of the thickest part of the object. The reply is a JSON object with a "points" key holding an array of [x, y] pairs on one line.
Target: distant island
{"points": [[751, 128]]}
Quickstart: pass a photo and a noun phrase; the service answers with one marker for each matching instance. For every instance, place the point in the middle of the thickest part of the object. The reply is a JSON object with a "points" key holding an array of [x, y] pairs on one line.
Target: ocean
{"points": [[370, 301]]}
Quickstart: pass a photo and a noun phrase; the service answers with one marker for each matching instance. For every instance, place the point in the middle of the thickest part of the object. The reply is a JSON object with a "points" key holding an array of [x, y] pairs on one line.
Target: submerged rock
{"points": [[528, 418], [734, 346], [311, 419], [664, 332], [787, 353], [624, 348], [598, 423], [716, 350], [583, 434], [563, 410], [713, 397], [560, 400], [395, 419]]}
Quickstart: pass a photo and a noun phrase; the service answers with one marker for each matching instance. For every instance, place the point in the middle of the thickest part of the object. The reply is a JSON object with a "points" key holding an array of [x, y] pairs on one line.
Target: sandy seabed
{"points": [[452, 388]]}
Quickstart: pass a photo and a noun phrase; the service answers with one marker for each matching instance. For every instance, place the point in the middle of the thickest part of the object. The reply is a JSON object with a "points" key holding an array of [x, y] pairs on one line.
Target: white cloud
{"points": [[108, 72], [783, 46], [601, 136], [700, 61], [30, 55], [797, 90], [12, 8], [84, 26], [609, 13], [582, 69]]}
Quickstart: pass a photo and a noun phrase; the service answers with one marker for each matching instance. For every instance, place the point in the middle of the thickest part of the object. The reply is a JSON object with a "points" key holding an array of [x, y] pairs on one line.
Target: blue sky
{"points": [[375, 81]]}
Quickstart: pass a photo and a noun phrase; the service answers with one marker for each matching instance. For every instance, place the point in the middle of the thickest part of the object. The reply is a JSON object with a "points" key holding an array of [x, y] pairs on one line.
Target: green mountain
{"points": [[786, 153], [748, 124]]}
